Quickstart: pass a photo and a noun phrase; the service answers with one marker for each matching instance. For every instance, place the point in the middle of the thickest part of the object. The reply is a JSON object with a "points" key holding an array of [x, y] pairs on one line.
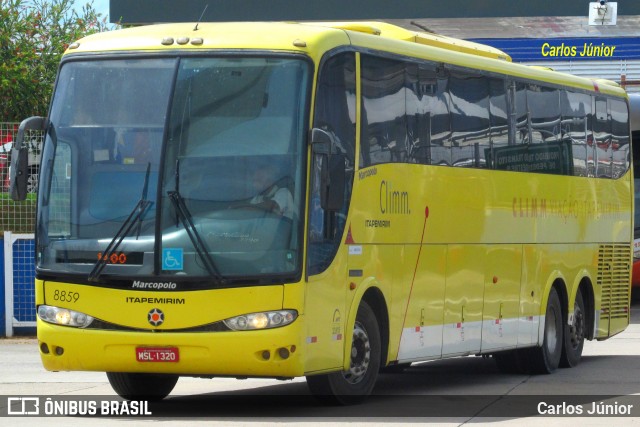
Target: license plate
{"points": [[157, 354]]}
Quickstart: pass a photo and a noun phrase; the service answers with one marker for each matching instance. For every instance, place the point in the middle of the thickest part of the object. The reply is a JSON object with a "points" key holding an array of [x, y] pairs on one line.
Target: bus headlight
{"points": [[264, 320], [63, 316]]}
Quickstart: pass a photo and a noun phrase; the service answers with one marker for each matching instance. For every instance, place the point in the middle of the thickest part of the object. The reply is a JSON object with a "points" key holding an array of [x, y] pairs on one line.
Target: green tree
{"points": [[33, 36]]}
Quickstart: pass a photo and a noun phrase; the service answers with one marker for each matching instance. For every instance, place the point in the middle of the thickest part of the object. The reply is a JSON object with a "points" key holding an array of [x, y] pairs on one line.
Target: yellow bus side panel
{"points": [[474, 227], [501, 318], [418, 304], [462, 325]]}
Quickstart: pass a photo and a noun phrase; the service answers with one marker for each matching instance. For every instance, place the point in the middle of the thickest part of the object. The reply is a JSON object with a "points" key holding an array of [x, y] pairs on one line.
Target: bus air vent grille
{"points": [[614, 275]]}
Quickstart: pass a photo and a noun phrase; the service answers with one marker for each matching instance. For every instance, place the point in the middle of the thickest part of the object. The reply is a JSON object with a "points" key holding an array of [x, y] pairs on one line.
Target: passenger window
{"points": [[522, 135], [427, 115], [469, 119], [620, 147], [576, 129], [438, 105], [602, 139], [498, 113], [418, 118], [544, 112], [384, 121]]}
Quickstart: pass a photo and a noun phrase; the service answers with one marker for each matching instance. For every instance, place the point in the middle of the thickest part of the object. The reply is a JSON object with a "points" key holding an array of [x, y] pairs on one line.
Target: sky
{"points": [[101, 6]]}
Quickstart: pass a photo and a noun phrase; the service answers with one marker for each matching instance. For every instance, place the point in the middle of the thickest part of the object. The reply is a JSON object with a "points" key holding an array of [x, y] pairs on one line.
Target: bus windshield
{"points": [[164, 166]]}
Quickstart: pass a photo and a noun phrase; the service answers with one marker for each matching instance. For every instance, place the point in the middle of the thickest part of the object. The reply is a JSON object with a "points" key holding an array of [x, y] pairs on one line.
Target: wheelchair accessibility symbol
{"points": [[172, 259]]}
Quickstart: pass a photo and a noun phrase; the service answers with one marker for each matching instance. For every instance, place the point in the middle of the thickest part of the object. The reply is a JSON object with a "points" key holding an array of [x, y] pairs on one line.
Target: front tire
{"points": [[574, 335], [354, 385], [546, 359], [142, 386]]}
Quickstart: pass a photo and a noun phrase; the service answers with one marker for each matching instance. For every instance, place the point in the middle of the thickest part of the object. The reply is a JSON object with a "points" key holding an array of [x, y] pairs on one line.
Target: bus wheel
{"points": [[574, 335], [546, 359], [354, 385], [142, 386]]}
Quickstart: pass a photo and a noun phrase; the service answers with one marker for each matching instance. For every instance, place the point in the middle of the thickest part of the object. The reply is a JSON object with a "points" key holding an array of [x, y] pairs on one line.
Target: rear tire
{"points": [[142, 386], [354, 385], [574, 335], [546, 359]]}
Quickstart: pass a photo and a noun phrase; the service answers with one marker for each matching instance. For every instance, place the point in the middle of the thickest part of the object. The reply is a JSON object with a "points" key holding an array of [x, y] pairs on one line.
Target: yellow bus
{"points": [[327, 200]]}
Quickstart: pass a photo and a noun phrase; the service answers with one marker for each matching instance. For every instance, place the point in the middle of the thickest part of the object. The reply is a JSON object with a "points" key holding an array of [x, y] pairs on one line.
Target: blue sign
{"points": [[172, 259], [567, 48]]}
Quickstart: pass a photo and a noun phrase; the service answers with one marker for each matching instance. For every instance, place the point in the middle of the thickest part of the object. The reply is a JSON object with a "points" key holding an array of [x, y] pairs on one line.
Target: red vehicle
{"points": [[6, 142]]}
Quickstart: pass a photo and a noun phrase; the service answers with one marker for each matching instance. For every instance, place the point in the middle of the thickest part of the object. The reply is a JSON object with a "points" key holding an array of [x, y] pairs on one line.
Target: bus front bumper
{"points": [[271, 353]]}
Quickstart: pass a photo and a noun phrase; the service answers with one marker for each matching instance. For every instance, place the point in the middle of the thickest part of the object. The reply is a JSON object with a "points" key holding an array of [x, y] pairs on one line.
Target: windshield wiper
{"points": [[136, 215], [184, 216]]}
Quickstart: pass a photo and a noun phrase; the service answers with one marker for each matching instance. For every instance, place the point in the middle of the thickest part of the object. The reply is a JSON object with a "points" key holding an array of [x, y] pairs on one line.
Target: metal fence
{"points": [[17, 221], [18, 217]]}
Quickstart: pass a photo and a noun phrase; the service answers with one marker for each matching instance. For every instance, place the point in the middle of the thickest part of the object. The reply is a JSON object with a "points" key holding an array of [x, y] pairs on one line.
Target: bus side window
{"points": [[620, 143], [576, 128], [522, 133], [335, 113], [498, 113], [602, 139], [422, 112], [439, 105], [469, 119], [544, 112], [384, 134]]}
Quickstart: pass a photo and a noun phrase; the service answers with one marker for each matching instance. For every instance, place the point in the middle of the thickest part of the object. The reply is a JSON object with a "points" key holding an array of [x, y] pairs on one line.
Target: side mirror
{"points": [[333, 178], [321, 141], [332, 171], [20, 158]]}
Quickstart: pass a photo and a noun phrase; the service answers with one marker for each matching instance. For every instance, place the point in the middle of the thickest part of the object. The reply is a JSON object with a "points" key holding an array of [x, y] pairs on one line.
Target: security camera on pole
{"points": [[603, 12]]}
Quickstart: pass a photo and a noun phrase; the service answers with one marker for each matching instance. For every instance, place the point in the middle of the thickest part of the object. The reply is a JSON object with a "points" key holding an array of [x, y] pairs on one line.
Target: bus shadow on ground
{"points": [[466, 387]]}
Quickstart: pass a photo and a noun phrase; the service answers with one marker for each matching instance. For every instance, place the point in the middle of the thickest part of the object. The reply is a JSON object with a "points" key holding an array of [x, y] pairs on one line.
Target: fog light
{"points": [[44, 348], [283, 353]]}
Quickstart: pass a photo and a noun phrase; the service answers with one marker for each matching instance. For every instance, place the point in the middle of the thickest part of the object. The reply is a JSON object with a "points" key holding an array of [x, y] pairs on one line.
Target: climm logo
{"points": [[566, 209], [393, 201]]}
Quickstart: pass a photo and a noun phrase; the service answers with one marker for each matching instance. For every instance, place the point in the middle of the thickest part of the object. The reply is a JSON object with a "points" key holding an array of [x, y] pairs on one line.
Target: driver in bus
{"points": [[276, 197]]}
